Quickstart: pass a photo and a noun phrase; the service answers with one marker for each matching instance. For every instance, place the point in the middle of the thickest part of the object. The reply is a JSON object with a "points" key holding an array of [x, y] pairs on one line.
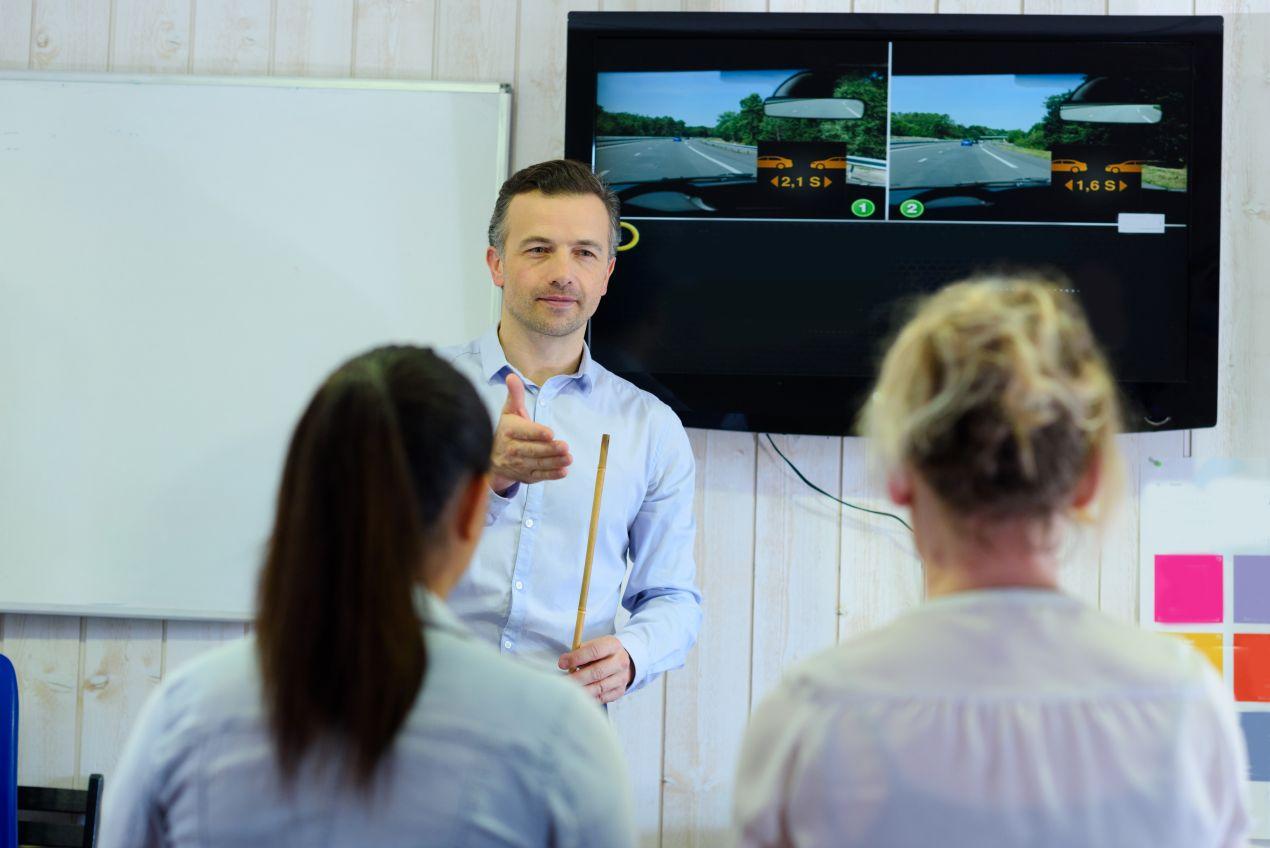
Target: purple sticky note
{"points": [[1256, 728], [1252, 589], [1188, 588]]}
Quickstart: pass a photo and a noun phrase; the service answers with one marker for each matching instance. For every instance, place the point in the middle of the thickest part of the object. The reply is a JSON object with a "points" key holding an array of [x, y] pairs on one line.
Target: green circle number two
{"points": [[912, 208]]}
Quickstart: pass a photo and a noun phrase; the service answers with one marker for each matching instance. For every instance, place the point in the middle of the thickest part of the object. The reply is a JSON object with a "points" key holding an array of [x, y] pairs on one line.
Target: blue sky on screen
{"points": [[999, 101], [695, 97]]}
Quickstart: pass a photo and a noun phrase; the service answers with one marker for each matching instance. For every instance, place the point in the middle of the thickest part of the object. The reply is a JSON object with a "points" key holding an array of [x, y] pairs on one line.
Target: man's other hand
{"points": [[602, 666], [524, 450]]}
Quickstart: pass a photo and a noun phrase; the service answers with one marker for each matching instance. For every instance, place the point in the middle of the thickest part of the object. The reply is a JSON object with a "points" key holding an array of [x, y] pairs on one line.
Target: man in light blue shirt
{"points": [[553, 237]]}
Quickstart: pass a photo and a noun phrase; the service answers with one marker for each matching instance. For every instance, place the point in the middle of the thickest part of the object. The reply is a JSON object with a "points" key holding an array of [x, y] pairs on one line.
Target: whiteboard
{"points": [[182, 260]]}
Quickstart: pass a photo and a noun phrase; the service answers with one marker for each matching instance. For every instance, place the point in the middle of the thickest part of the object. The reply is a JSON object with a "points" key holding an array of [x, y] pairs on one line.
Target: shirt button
{"points": [[520, 584], [507, 645], [529, 522]]}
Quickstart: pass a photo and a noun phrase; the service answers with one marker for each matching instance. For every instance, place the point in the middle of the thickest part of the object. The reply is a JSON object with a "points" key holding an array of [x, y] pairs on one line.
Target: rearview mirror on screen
{"points": [[1111, 113], [830, 108]]}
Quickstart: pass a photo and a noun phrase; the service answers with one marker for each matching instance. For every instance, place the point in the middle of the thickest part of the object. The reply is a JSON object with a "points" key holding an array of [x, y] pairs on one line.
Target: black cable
{"points": [[794, 468]]}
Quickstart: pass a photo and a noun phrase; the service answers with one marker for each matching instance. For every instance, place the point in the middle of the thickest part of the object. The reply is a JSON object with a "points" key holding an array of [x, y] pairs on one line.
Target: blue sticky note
{"points": [[1257, 733]]}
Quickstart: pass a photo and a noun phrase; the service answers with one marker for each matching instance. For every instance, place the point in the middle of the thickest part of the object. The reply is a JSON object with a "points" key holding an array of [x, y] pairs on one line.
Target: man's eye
{"points": [[538, 250], [587, 253]]}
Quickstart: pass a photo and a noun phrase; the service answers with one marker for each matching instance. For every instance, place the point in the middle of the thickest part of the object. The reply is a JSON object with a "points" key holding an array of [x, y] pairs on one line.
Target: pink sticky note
{"points": [[1188, 588]]}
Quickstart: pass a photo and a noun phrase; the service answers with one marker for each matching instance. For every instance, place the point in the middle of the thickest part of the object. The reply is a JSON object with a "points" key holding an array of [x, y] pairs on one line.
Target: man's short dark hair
{"points": [[556, 177]]}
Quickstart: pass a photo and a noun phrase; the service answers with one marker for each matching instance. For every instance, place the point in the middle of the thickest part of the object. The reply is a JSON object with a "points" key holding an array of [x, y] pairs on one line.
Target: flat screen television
{"points": [[789, 182]]}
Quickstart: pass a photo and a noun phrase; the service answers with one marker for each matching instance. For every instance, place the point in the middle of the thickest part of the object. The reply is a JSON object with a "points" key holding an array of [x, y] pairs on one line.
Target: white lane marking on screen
{"points": [[923, 159], [998, 158], [712, 159]]}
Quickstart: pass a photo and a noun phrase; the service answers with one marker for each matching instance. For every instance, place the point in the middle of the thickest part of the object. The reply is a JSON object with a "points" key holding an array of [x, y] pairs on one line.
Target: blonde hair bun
{"points": [[997, 394]]}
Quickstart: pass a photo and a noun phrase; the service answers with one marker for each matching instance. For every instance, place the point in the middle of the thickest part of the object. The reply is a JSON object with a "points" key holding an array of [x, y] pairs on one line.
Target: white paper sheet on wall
{"points": [[1209, 507]]}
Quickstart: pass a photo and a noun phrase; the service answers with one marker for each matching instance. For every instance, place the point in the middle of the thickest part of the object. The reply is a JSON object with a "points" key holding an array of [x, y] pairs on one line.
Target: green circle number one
{"points": [[912, 208], [862, 208]]}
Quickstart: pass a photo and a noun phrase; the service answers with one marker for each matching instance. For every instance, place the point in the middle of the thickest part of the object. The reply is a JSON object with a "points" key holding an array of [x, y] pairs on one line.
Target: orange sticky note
{"points": [[1252, 666], [1208, 644]]}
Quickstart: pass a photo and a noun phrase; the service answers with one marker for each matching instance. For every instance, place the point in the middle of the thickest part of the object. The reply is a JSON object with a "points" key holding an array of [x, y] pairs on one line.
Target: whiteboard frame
{"points": [[503, 142], [267, 82], [503, 147]]}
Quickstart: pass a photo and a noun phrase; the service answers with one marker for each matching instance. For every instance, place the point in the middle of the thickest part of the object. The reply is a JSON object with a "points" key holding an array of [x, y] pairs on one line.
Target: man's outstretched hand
{"points": [[524, 450], [602, 666]]}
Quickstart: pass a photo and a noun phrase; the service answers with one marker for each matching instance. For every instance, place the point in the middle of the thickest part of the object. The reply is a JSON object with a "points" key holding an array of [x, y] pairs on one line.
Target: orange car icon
{"points": [[1072, 166], [839, 162], [779, 162], [1128, 166]]}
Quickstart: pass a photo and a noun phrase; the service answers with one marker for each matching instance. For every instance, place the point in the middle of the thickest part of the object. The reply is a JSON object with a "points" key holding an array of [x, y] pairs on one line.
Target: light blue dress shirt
{"points": [[492, 754], [521, 592]]}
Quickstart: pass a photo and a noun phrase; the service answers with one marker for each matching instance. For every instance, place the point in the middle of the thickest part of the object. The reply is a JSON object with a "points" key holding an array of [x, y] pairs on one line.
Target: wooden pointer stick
{"points": [[590, 542]]}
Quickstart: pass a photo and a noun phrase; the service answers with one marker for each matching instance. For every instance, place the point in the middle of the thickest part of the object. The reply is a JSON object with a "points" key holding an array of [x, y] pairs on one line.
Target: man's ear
{"points": [[495, 262], [899, 485], [473, 499], [607, 274]]}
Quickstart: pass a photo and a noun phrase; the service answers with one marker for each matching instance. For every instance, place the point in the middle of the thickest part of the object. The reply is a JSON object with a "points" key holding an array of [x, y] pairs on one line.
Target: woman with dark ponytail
{"points": [[362, 713]]}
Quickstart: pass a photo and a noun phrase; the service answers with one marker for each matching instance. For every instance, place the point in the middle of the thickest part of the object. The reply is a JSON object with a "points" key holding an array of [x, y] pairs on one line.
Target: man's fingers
{"points": [[515, 404], [521, 429], [532, 462], [601, 667], [525, 450], [586, 653], [547, 463], [607, 690], [527, 465], [597, 671], [521, 449]]}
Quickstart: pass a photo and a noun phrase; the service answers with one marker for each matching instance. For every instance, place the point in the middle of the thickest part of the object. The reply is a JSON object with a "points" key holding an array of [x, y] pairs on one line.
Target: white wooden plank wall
{"points": [[784, 571]]}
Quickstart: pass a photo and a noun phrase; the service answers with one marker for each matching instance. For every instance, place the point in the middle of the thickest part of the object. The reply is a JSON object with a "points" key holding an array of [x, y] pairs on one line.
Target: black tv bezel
{"points": [[1149, 407]]}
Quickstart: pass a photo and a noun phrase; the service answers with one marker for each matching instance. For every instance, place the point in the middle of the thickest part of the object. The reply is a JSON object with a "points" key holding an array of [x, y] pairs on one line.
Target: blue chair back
{"points": [[8, 754]]}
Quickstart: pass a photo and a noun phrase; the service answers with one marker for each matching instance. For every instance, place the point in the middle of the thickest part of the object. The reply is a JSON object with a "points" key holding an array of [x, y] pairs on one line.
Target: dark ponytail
{"points": [[378, 454]]}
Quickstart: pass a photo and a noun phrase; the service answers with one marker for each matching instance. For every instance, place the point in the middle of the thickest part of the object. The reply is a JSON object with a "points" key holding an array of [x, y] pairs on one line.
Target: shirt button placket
{"points": [[515, 619]]}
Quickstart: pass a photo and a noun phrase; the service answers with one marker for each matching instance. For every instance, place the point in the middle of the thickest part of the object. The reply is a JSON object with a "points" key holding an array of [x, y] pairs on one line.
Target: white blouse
{"points": [[997, 718]]}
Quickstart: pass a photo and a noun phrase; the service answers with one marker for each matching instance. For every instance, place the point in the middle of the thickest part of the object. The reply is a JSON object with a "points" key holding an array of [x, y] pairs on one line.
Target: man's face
{"points": [[555, 264]]}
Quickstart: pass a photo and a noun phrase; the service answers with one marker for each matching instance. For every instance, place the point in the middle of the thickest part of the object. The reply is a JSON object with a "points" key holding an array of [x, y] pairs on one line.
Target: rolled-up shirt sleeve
{"points": [[661, 594]]}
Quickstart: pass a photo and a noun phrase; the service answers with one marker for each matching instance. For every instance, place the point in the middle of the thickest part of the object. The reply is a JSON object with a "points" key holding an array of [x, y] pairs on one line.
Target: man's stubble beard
{"points": [[525, 314]]}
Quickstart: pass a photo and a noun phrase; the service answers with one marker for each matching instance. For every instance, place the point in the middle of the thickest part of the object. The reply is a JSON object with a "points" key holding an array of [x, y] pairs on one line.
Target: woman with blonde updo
{"points": [[1001, 712]]}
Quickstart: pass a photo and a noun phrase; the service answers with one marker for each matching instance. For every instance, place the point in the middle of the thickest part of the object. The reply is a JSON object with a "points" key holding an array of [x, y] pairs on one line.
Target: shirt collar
{"points": [[495, 367], [435, 613], [1027, 595]]}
